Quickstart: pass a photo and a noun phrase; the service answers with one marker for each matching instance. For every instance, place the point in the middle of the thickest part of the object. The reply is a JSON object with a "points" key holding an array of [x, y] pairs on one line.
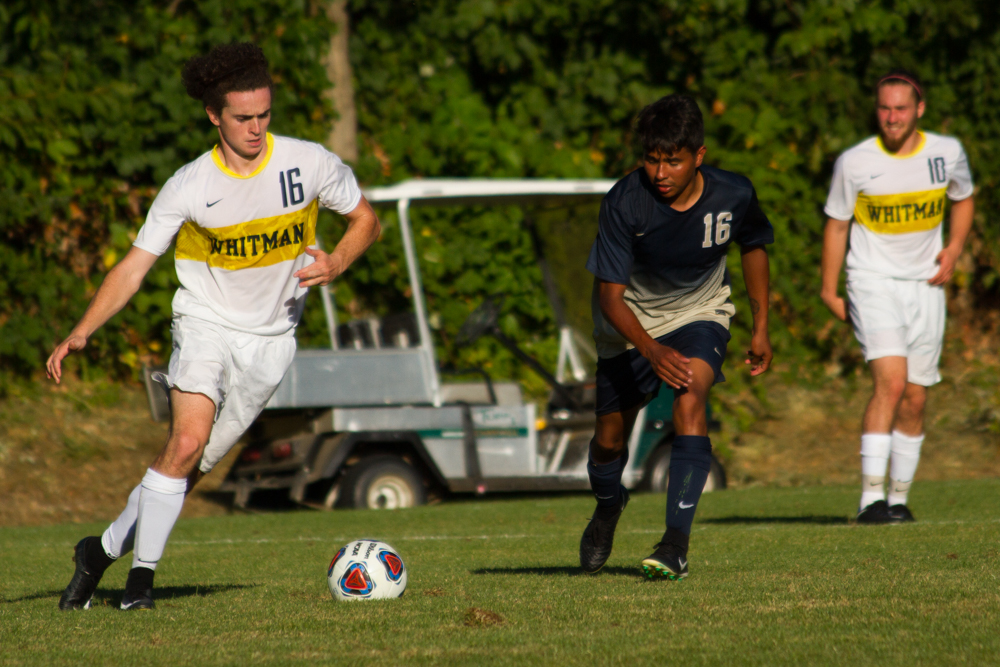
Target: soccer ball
{"points": [[366, 570]]}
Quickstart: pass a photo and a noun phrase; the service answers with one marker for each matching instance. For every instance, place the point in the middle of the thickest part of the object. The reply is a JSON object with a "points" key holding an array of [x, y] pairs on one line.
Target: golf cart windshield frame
{"points": [[467, 192]]}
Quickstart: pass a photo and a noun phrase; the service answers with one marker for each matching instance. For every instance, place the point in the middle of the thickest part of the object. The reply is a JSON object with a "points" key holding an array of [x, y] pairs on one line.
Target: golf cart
{"points": [[370, 423]]}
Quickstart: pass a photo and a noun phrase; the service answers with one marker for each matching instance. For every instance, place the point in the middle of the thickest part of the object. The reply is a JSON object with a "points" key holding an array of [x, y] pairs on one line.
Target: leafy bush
{"points": [[93, 119], [549, 89]]}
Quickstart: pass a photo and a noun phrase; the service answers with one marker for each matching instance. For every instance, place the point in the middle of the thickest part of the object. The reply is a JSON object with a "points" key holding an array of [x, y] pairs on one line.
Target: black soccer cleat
{"points": [[138, 601], [139, 589], [900, 513], [599, 537], [80, 591], [669, 561], [876, 513]]}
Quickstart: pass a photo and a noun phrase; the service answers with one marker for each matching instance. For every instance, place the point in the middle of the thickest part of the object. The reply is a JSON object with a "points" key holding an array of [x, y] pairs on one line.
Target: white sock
{"points": [[118, 538], [160, 504], [874, 460], [905, 456]]}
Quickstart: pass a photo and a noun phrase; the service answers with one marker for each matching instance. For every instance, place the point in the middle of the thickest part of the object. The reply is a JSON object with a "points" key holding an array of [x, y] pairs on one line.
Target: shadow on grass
{"points": [[555, 571], [114, 596], [819, 520], [168, 592]]}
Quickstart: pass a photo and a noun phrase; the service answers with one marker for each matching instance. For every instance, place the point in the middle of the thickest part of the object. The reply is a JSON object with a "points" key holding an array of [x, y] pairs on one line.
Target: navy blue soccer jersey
{"points": [[673, 263]]}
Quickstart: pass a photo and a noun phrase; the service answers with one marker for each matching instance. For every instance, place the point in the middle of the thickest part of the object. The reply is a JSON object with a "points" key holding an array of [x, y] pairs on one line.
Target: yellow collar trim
{"points": [[920, 147], [229, 172]]}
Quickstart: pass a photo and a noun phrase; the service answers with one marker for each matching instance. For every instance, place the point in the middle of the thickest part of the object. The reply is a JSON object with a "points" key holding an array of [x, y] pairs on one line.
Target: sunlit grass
{"points": [[778, 576]]}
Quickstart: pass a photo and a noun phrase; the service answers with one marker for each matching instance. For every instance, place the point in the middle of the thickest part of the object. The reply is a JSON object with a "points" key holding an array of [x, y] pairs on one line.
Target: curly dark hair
{"points": [[670, 124], [225, 69]]}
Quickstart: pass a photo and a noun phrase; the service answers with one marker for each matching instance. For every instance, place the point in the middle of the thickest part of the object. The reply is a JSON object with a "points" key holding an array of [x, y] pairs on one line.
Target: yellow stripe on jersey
{"points": [[901, 214], [257, 243]]}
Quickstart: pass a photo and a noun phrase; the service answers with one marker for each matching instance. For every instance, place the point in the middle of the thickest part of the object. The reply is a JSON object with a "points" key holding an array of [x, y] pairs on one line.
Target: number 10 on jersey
{"points": [[721, 229]]}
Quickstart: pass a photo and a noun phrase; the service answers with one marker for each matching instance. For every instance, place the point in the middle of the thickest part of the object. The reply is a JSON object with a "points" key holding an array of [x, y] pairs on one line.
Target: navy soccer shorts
{"points": [[627, 380]]}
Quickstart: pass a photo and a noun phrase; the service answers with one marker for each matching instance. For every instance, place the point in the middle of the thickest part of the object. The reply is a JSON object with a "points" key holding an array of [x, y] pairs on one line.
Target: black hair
{"points": [[229, 68], [670, 124], [902, 76]]}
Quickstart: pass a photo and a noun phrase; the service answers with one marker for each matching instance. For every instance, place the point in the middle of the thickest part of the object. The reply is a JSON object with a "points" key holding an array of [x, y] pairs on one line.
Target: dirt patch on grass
{"points": [[482, 618]]}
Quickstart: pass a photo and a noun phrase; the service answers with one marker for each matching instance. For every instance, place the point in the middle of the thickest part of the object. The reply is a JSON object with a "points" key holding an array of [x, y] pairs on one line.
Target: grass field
{"points": [[778, 576]]}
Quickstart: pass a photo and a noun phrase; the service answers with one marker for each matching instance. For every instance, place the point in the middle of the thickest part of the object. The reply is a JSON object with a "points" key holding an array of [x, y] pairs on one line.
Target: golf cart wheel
{"points": [[658, 472], [383, 482]]}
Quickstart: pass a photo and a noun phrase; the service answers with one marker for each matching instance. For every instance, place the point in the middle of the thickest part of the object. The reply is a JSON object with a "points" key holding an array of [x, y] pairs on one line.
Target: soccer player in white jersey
{"points": [[244, 216], [894, 188]]}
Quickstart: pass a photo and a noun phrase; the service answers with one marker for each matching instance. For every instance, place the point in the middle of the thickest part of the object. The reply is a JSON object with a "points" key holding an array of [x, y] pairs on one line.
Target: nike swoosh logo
{"points": [[717, 351], [874, 483], [874, 177], [213, 203], [685, 507]]}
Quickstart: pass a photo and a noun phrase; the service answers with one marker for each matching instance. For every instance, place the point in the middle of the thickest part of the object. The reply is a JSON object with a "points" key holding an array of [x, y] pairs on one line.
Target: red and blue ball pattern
{"points": [[366, 569]]}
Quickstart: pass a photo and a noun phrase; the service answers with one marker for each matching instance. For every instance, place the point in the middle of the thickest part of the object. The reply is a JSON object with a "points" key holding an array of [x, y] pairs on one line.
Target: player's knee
{"points": [[913, 403], [187, 447], [891, 388], [913, 406]]}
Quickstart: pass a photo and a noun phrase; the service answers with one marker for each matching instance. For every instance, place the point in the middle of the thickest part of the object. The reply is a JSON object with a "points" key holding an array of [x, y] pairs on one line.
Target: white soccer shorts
{"points": [[900, 318], [238, 371]]}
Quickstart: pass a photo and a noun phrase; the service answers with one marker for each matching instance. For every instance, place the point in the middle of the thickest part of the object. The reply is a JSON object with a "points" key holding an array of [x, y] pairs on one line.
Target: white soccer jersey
{"points": [[897, 204], [240, 238]]}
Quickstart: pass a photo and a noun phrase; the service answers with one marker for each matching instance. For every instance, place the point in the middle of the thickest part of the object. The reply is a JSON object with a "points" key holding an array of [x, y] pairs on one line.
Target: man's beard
{"points": [[903, 136]]}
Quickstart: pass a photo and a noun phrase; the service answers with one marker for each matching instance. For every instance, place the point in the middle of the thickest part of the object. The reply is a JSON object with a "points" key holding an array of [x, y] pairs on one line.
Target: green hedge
{"points": [[549, 89], [93, 119]]}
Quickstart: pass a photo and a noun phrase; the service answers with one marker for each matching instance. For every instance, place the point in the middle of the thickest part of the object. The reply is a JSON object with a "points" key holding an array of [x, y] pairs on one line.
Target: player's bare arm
{"points": [[757, 277], [120, 285], [961, 224], [668, 364], [363, 228], [834, 250]]}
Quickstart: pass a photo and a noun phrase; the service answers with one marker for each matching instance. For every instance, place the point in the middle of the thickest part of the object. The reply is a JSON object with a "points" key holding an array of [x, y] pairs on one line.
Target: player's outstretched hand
{"points": [[670, 365], [759, 355], [946, 260], [321, 272], [53, 367]]}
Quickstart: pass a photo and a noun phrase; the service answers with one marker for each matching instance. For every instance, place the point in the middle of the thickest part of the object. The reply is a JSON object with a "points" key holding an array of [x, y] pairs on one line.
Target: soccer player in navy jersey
{"points": [[661, 312]]}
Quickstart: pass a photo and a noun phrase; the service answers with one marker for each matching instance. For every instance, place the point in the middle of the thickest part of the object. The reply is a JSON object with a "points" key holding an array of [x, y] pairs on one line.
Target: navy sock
{"points": [[690, 461], [606, 481]]}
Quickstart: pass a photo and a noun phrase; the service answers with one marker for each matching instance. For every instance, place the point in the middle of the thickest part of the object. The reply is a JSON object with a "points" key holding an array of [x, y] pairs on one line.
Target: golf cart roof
{"points": [[472, 191]]}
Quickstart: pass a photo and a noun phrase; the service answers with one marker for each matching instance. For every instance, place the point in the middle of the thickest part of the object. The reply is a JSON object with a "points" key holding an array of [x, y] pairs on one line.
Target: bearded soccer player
{"points": [[661, 312], [894, 186], [244, 216]]}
